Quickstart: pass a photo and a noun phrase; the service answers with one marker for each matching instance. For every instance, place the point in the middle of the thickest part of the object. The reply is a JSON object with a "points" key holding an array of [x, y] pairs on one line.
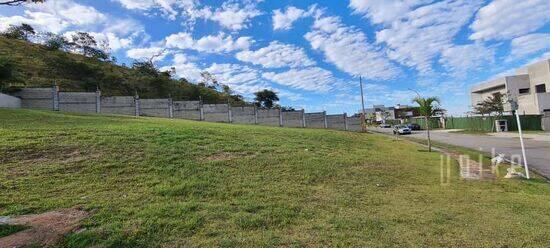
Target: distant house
{"points": [[529, 88], [398, 112]]}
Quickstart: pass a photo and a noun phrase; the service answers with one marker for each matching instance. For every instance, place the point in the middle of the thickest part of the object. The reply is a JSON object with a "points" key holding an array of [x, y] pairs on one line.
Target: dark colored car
{"points": [[413, 126], [384, 125]]}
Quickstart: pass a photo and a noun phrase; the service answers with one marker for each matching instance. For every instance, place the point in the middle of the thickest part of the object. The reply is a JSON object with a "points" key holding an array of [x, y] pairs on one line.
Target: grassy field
{"points": [[169, 183]]}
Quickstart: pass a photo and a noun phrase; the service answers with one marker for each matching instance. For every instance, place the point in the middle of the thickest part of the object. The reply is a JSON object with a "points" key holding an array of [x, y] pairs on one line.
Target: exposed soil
{"points": [[45, 229]]}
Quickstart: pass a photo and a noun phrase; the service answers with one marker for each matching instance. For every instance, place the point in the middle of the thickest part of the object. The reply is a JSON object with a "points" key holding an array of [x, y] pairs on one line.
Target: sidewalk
{"points": [[533, 136]]}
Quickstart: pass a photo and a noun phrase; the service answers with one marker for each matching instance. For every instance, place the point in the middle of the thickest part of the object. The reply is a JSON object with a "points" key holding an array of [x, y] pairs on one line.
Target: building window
{"points": [[524, 91], [541, 88]]}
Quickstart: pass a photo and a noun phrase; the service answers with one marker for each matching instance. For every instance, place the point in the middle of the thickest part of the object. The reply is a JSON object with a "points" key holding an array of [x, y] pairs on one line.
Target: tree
{"points": [[19, 2], [6, 71], [55, 42], [87, 45], [208, 80], [265, 98], [493, 104], [428, 107], [21, 32]]}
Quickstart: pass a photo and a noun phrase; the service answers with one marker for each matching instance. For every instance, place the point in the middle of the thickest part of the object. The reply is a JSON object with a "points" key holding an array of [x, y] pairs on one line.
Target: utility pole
{"points": [[363, 116], [515, 109]]}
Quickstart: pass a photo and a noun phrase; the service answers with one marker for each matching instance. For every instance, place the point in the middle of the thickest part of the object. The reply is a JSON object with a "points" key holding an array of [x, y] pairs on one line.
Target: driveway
{"points": [[537, 151]]}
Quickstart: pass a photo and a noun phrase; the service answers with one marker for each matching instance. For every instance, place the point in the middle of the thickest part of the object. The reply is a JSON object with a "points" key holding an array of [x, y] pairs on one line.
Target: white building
{"points": [[529, 87]]}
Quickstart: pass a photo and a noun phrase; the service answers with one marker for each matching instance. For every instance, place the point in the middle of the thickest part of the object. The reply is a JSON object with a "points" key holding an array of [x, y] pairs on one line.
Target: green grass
{"points": [[170, 183], [6, 230]]}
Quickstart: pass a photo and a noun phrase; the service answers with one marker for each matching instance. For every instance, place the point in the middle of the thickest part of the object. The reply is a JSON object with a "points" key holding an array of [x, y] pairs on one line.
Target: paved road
{"points": [[538, 152]]}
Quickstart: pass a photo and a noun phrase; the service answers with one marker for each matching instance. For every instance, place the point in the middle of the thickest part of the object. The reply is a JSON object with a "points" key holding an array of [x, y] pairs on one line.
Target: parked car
{"points": [[413, 126], [383, 125], [401, 129]]}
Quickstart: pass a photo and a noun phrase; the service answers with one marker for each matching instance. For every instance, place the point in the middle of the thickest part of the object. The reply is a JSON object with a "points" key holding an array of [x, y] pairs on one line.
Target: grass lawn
{"points": [[169, 183]]}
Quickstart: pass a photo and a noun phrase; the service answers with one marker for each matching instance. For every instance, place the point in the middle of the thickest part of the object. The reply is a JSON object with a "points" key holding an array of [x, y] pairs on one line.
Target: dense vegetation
{"points": [[151, 182], [24, 64]]}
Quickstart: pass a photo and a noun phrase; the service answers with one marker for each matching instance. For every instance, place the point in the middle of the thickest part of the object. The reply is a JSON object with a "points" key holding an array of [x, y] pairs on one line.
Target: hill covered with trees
{"points": [[26, 64]]}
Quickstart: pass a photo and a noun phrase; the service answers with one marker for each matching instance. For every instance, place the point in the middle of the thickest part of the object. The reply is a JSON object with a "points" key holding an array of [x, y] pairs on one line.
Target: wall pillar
{"points": [[346, 121], [201, 111], [280, 118], [55, 97], [255, 115], [325, 119], [303, 118], [98, 101], [137, 105], [170, 108], [230, 115]]}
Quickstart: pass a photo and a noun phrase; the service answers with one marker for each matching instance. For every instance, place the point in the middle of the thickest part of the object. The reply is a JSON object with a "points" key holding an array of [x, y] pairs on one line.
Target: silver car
{"points": [[401, 129]]}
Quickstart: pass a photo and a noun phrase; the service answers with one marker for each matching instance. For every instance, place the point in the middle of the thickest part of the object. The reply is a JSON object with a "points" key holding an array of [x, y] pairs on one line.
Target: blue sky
{"points": [[312, 52]]}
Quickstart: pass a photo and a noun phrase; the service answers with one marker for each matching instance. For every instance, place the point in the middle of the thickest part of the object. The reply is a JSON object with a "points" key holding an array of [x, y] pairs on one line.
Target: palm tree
{"points": [[428, 107]]}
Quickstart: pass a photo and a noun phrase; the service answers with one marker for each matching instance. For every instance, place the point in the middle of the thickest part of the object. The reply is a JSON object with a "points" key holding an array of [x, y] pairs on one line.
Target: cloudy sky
{"points": [[312, 52]]}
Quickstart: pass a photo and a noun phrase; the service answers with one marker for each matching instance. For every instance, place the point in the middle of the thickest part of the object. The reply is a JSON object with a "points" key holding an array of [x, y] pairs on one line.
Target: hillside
{"points": [[34, 65], [149, 182]]}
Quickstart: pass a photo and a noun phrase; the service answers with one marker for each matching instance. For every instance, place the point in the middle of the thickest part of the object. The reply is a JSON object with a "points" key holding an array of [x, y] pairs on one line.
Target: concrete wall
{"points": [[269, 117], [92, 102], [243, 115], [216, 112], [293, 118], [337, 122], [545, 123], [78, 102], [315, 120], [154, 107], [190, 110], [354, 124], [120, 105], [539, 73], [7, 101], [36, 98]]}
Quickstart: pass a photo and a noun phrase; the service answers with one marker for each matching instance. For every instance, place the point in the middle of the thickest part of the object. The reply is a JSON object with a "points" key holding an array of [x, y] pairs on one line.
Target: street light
{"points": [[363, 116]]}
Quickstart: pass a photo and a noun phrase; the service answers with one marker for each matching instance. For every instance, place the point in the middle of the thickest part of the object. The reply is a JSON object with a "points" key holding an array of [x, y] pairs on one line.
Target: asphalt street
{"points": [[537, 152]]}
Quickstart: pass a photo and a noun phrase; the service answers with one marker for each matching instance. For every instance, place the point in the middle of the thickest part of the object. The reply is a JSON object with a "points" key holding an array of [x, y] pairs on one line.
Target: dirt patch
{"points": [[471, 169], [45, 229]]}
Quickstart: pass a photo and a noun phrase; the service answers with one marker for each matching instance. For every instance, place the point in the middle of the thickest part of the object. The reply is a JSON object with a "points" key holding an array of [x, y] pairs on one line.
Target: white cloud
{"points": [[55, 16], [147, 53], [234, 16], [505, 19], [241, 79], [185, 68], [385, 11], [180, 40], [283, 20], [310, 79], [418, 37], [460, 59], [277, 55], [529, 44], [113, 41], [220, 43], [168, 8], [66, 17], [348, 49]]}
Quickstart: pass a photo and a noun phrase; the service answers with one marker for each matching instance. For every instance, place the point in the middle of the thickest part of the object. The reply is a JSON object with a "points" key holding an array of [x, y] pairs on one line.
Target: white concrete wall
{"points": [[7, 101], [539, 73]]}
